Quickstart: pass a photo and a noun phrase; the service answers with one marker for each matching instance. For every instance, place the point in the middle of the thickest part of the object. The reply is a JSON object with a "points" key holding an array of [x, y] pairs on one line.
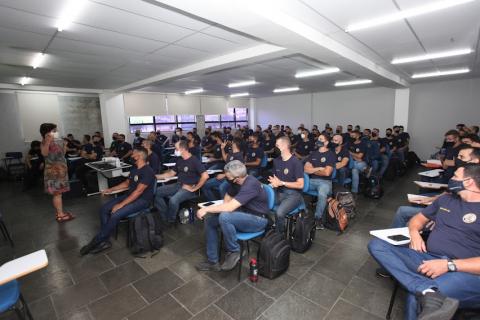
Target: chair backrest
{"points": [[15, 155], [306, 182], [264, 162], [270, 196]]}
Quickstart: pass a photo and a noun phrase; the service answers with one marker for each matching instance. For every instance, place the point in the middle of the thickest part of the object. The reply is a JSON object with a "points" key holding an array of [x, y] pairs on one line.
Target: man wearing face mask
{"points": [[139, 196], [287, 181], [244, 209], [254, 156], [215, 158], [339, 130], [123, 149], [346, 135], [113, 145], [191, 177], [319, 166], [401, 144], [342, 158], [390, 141], [207, 141], [357, 151], [138, 139], [382, 152], [452, 145], [443, 273], [304, 145], [177, 136]]}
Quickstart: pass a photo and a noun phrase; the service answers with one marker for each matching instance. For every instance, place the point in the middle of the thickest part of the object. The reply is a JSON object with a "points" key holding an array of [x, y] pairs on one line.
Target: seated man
{"points": [[152, 160], [123, 149], [138, 139], [342, 158], [219, 182], [304, 145], [358, 152], [207, 141], [443, 273], [139, 196], [177, 136], [35, 164], [288, 181], [245, 209], [319, 166], [254, 155], [215, 159], [90, 152], [191, 177]]}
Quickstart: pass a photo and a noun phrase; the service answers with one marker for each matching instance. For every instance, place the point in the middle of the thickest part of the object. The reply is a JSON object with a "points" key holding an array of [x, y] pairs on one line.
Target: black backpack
{"points": [[273, 255], [374, 189], [302, 233], [145, 233]]}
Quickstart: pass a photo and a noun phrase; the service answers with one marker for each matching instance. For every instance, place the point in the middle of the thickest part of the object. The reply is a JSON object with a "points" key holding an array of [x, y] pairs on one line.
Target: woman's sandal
{"points": [[64, 218]]}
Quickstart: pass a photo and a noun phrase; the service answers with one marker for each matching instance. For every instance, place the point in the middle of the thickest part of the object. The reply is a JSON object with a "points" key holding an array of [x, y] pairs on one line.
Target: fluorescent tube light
{"points": [[38, 60], [24, 80], [403, 14], [241, 84], [290, 89], [352, 83], [70, 11], [194, 91], [431, 56], [236, 95], [319, 72], [440, 73]]}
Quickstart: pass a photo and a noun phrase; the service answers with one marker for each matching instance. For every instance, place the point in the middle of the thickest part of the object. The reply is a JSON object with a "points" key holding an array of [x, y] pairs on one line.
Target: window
{"points": [[233, 118], [164, 123]]}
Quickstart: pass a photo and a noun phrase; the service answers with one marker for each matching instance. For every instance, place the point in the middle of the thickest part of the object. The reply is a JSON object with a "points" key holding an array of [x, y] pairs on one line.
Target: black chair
{"points": [[3, 228], [14, 164]]}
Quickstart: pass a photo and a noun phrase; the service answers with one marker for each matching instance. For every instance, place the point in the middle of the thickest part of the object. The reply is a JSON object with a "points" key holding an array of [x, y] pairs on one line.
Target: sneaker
{"points": [[207, 266], [319, 225], [435, 306], [382, 272], [231, 260], [89, 247], [102, 246], [368, 172]]}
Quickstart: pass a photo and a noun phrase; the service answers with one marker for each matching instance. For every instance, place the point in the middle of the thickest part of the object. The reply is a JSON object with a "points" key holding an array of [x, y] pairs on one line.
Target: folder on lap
{"points": [[395, 236]]}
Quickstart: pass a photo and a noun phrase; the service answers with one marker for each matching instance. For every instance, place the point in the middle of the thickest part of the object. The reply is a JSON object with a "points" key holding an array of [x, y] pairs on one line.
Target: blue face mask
{"points": [[455, 186], [320, 144]]}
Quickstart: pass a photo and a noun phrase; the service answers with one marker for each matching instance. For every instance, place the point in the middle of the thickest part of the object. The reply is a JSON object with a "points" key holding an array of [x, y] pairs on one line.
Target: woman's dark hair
{"points": [[46, 128]]}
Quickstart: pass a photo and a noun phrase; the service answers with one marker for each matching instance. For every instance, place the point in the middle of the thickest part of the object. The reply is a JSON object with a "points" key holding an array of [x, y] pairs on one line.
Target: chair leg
{"points": [[5, 233], [240, 261], [392, 300], [248, 250]]}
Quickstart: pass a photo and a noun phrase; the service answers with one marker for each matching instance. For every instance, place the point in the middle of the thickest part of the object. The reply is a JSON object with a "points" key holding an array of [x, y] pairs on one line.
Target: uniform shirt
{"points": [[154, 162], [405, 136], [304, 148], [251, 196], [161, 139], [137, 141], [157, 149], [288, 171], [457, 227], [392, 143], [88, 148], [268, 145], [227, 137], [98, 151], [322, 159], [176, 138], [122, 149], [145, 176], [217, 152], [451, 154], [401, 142], [358, 148], [343, 153], [189, 170], [207, 141], [196, 151], [254, 154], [235, 156]]}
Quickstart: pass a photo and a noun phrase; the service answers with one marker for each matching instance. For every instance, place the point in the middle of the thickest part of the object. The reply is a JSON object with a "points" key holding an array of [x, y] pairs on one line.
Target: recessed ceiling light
{"points": [[403, 14], [440, 73], [236, 95], [38, 60], [352, 82], [241, 84], [194, 91], [318, 72], [289, 89], [24, 80], [429, 56], [70, 11]]}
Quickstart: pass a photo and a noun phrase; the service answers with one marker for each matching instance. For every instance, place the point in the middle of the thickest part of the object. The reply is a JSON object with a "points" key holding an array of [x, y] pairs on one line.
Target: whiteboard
{"points": [[35, 109]]}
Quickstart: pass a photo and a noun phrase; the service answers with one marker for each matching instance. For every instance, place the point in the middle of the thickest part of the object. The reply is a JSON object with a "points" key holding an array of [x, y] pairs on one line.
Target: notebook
{"points": [[414, 198], [430, 185]]}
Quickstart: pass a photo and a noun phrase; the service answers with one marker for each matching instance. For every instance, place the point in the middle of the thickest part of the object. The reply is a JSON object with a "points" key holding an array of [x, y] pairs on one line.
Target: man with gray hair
{"points": [[244, 209]]}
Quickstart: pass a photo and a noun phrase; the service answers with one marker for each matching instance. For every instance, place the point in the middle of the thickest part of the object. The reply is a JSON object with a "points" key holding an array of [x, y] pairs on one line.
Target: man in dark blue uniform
{"points": [[254, 156], [304, 145], [358, 151], [342, 157]]}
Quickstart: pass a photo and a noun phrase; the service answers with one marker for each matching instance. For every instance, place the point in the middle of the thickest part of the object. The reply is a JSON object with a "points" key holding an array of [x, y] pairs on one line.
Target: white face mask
{"points": [[177, 153], [299, 131], [56, 135], [302, 135]]}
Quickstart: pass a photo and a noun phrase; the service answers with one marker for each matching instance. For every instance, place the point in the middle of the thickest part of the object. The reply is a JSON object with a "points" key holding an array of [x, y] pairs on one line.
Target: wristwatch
{"points": [[283, 183], [451, 266]]}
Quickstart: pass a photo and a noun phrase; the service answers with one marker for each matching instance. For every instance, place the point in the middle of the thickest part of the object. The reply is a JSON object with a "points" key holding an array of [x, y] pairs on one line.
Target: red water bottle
{"points": [[253, 270]]}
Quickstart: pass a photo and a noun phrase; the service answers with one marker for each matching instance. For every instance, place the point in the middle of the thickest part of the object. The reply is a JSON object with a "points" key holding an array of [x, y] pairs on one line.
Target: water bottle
{"points": [[117, 163], [253, 270]]}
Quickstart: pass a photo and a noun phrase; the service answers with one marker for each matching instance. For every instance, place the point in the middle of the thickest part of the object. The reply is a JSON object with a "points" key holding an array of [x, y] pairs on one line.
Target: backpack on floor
{"points": [[273, 255], [302, 233], [336, 218], [374, 189], [347, 201], [145, 233], [412, 159]]}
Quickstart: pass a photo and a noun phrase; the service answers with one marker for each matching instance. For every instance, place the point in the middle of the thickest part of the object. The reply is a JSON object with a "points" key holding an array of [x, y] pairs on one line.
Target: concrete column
{"points": [[402, 107], [114, 119]]}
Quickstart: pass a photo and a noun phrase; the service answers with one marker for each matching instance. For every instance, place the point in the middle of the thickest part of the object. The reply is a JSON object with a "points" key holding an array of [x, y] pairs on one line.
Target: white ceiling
{"points": [[114, 43]]}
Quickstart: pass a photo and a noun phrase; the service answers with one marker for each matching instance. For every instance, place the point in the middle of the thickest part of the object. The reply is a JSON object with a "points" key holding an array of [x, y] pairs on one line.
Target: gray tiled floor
{"points": [[333, 280]]}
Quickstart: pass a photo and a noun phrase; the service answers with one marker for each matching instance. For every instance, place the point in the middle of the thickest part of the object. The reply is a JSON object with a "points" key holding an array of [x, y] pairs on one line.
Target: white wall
{"points": [[11, 136], [436, 107], [372, 107]]}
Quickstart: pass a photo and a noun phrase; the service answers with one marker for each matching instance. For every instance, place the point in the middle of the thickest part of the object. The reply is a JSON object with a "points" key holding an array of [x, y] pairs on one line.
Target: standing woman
{"points": [[56, 171]]}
